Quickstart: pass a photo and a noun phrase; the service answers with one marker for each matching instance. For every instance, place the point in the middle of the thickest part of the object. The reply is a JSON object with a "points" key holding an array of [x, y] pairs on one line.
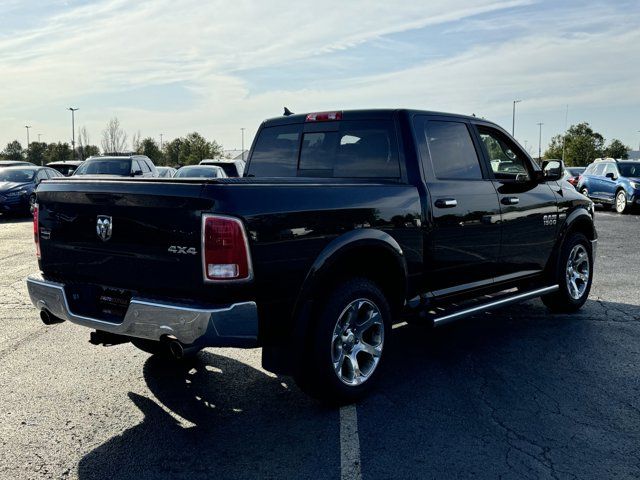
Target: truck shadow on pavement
{"points": [[227, 420], [516, 393]]}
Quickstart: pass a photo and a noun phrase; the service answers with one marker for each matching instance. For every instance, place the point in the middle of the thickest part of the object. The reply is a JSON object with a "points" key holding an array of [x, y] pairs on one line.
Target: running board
{"points": [[519, 297]]}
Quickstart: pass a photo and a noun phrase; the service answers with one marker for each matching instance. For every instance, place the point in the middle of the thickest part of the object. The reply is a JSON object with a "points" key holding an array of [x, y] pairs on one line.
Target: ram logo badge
{"points": [[104, 227], [182, 250], [548, 220]]}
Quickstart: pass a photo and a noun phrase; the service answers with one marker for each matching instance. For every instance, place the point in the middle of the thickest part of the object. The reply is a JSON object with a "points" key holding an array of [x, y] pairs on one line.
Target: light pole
{"points": [[242, 130], [513, 118], [564, 135], [27, 127], [73, 130], [39, 135], [540, 141], [161, 141]]}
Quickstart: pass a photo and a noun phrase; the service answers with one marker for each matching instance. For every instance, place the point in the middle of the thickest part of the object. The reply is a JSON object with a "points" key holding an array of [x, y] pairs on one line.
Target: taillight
{"points": [[324, 116], [36, 229], [225, 249]]}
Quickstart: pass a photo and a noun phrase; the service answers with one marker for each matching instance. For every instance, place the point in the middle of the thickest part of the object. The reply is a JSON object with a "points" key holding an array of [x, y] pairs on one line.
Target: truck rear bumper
{"points": [[233, 325]]}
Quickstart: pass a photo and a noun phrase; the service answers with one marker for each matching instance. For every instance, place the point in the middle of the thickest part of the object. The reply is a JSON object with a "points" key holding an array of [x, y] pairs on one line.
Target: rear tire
{"points": [[346, 345], [574, 275]]}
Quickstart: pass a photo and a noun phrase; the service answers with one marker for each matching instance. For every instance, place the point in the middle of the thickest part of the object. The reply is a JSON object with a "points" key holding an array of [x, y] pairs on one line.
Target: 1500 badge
{"points": [[550, 219], [182, 250]]}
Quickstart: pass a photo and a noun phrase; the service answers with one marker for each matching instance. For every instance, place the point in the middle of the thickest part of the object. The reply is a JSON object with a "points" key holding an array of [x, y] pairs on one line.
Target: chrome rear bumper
{"points": [[234, 325]]}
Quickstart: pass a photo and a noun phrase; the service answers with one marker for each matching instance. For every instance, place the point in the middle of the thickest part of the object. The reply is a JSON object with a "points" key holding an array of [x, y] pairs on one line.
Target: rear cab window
{"points": [[342, 149]]}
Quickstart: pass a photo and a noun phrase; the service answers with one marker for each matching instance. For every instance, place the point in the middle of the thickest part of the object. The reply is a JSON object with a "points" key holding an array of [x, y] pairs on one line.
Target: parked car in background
{"points": [[572, 175], [18, 185], [233, 168], [200, 171], [65, 167], [166, 172], [612, 182], [14, 163], [129, 166]]}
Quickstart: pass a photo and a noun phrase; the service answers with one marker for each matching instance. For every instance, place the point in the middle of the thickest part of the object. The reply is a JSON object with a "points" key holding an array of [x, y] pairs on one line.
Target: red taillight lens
{"points": [[324, 116], [225, 249], [36, 229]]}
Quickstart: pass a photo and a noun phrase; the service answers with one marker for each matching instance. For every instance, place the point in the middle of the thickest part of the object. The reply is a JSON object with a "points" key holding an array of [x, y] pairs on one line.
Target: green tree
{"points": [[581, 145], [190, 150], [57, 152], [85, 151], [13, 151], [36, 152], [617, 149], [149, 147], [172, 151]]}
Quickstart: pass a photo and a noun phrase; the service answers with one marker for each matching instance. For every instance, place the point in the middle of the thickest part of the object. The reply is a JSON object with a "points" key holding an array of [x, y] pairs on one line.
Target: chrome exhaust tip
{"points": [[176, 349], [48, 318]]}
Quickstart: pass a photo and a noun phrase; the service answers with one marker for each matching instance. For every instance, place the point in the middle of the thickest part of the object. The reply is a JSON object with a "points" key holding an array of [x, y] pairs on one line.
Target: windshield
{"points": [[17, 176], [629, 169], [200, 172], [105, 167]]}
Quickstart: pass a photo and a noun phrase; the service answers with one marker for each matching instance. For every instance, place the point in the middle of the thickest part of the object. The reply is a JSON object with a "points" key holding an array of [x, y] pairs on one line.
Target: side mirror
{"points": [[552, 170], [611, 176], [137, 173]]}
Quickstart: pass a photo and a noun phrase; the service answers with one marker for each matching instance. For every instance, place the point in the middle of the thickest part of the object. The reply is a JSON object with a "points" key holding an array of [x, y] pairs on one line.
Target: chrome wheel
{"points": [[577, 271], [621, 202], [358, 338]]}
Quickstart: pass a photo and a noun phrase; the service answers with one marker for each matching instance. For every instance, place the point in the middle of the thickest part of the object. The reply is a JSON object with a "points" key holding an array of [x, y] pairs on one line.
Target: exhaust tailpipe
{"points": [[48, 318], [176, 349]]}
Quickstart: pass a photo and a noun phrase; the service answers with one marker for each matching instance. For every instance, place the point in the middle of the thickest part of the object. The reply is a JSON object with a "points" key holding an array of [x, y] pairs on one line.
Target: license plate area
{"points": [[113, 303], [103, 303]]}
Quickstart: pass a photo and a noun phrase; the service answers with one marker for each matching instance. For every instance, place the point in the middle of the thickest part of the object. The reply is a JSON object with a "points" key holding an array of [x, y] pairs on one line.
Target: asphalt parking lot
{"points": [[518, 393]]}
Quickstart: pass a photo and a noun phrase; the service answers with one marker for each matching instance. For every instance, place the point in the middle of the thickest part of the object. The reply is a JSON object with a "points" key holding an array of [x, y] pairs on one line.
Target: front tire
{"points": [[574, 275], [346, 346], [621, 202]]}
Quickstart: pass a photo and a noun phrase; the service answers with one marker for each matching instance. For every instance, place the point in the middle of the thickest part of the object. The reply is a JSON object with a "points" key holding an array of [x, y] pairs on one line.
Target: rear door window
{"points": [[275, 153], [359, 149], [453, 155], [598, 170]]}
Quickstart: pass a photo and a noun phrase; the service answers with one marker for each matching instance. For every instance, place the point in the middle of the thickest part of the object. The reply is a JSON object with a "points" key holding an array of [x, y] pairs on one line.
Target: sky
{"points": [[175, 66]]}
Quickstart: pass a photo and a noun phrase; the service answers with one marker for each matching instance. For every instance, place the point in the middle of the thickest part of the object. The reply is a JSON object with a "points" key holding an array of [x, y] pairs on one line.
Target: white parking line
{"points": [[349, 444]]}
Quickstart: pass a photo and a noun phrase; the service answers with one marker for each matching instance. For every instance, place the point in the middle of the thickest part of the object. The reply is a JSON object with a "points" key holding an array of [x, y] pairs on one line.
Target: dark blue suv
{"points": [[612, 182]]}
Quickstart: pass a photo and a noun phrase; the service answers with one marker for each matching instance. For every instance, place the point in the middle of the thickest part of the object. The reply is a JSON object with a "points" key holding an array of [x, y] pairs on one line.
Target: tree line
{"points": [[582, 145], [187, 150]]}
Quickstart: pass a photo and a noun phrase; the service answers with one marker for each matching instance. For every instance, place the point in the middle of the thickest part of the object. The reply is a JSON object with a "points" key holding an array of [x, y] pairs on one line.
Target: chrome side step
{"points": [[519, 297]]}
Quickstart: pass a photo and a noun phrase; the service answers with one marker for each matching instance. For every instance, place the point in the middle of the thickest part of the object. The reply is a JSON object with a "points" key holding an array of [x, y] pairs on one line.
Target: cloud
{"points": [[106, 50]]}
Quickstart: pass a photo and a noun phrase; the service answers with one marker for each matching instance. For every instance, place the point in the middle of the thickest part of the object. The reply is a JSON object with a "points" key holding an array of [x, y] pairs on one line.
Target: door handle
{"points": [[446, 203], [510, 200]]}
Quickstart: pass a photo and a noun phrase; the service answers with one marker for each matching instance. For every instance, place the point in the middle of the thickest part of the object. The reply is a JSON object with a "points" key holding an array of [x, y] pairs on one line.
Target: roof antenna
{"points": [[287, 112]]}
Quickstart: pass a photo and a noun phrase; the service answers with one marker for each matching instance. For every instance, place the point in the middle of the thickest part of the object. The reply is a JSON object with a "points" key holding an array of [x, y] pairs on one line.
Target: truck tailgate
{"points": [[126, 234]]}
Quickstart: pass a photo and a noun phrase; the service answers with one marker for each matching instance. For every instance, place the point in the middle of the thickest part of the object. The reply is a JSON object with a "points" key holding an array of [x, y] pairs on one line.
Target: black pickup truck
{"points": [[343, 223]]}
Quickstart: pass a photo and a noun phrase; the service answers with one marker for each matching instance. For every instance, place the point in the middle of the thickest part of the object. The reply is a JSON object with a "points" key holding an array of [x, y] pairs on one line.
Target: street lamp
{"points": [[27, 127], [513, 118], [161, 141], [540, 141], [39, 135], [242, 130], [73, 130]]}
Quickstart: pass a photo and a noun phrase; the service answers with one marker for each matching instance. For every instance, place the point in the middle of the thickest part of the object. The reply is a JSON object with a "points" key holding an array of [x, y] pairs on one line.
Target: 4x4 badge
{"points": [[104, 227]]}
